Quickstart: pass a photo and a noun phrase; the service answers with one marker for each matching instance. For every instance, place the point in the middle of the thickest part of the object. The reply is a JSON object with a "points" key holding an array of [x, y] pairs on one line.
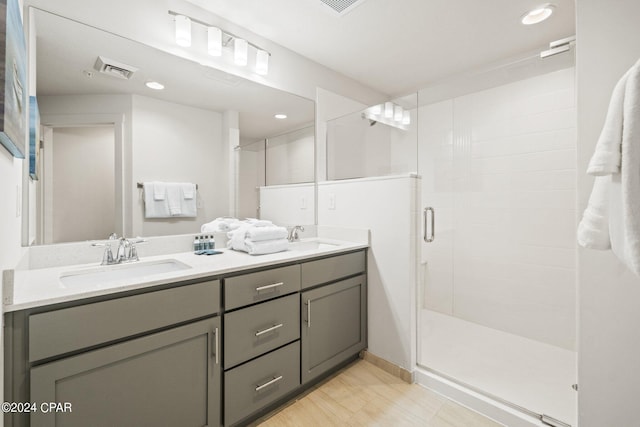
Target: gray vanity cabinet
{"points": [[170, 378], [141, 359], [334, 321]]}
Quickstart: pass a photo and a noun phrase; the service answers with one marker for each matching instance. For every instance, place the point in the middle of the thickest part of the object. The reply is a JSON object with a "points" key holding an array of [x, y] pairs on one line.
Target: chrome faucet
{"points": [[126, 252], [293, 233]]}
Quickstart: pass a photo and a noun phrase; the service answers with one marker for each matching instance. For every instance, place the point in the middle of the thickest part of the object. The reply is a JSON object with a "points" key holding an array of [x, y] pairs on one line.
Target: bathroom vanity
{"points": [[221, 346]]}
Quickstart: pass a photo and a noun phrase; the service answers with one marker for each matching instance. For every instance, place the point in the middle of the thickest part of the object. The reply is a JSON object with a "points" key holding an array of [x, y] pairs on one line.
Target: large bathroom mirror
{"points": [[105, 132]]}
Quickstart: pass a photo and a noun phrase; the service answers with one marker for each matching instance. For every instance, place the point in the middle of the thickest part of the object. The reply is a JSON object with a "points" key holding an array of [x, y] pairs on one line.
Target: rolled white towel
{"points": [[221, 224]]}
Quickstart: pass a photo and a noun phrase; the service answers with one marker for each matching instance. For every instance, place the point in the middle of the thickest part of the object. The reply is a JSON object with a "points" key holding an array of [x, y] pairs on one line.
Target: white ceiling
{"points": [[399, 46]]}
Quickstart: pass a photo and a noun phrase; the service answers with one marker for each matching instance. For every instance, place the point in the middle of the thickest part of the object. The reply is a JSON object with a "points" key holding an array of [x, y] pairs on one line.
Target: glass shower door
{"points": [[497, 291]]}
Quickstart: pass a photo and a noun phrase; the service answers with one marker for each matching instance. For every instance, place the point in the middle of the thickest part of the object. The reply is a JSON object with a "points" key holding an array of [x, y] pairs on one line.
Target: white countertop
{"points": [[40, 287]]}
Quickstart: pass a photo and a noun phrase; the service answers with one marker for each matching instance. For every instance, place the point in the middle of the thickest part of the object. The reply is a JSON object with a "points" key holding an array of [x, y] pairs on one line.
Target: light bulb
{"points": [[214, 41], [538, 15], [183, 31], [376, 109], [240, 52]]}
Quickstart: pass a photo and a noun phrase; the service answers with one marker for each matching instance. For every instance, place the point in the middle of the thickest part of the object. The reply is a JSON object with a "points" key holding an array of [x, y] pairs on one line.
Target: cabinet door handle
{"points": [[273, 328], [217, 345], [268, 383], [431, 238], [308, 313], [264, 288]]}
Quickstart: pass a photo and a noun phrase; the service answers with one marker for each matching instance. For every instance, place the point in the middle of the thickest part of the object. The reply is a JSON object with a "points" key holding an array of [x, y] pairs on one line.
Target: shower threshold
{"points": [[492, 406]]}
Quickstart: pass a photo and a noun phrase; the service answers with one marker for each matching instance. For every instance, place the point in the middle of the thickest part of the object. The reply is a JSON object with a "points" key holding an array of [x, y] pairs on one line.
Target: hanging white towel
{"points": [[154, 208], [606, 157], [159, 190], [630, 172], [170, 199], [174, 198], [611, 219]]}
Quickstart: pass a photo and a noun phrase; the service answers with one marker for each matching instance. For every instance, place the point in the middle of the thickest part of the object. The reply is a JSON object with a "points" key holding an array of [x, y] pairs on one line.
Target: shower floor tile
{"points": [[528, 373]]}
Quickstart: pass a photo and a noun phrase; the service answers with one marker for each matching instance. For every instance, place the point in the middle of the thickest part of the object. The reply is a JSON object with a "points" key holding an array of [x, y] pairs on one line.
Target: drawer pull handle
{"points": [[264, 288], [308, 313], [268, 383], [273, 328]]}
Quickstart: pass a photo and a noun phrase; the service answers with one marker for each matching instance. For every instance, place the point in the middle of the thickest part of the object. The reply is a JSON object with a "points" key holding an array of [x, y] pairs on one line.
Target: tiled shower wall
{"points": [[499, 168]]}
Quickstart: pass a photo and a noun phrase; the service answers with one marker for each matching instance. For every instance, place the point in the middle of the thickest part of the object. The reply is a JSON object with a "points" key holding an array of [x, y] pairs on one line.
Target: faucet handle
{"points": [[107, 256]]}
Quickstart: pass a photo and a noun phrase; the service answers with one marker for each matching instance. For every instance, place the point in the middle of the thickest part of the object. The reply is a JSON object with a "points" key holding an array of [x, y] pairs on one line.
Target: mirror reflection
{"points": [[107, 128]]}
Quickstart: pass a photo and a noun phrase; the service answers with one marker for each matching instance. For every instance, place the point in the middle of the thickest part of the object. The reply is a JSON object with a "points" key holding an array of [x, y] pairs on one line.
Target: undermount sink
{"points": [[311, 245], [113, 273]]}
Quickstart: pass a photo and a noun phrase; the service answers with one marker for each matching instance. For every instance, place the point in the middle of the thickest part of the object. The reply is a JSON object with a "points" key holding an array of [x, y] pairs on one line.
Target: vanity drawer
{"points": [[331, 269], [261, 286], [69, 329], [260, 382], [255, 330]]}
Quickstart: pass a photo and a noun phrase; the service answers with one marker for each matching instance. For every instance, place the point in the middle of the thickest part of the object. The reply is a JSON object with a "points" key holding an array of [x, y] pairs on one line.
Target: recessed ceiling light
{"points": [[537, 15], [280, 116], [154, 85]]}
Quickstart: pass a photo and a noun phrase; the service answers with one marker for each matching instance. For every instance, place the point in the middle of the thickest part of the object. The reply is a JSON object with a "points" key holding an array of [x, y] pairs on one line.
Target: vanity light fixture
{"points": [[537, 15], [214, 41], [218, 40], [183, 31], [406, 118], [280, 116], [262, 62], [388, 110], [390, 114], [154, 85], [240, 52], [398, 113]]}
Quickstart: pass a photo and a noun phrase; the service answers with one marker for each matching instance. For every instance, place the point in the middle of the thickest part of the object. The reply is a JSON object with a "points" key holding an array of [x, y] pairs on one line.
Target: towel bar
{"points": [[140, 185]]}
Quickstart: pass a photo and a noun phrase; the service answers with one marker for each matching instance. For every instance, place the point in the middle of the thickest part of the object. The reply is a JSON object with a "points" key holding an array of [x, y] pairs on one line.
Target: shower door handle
{"points": [[429, 237]]}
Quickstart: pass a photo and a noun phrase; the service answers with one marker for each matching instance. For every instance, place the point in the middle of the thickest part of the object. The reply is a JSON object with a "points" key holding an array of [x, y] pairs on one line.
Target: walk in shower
{"points": [[493, 156], [497, 288]]}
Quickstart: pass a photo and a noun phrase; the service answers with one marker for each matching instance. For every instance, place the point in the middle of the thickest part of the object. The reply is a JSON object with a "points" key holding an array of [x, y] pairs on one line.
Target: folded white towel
{"points": [[174, 198], [154, 208], [267, 232], [266, 246], [237, 237], [188, 190], [159, 190]]}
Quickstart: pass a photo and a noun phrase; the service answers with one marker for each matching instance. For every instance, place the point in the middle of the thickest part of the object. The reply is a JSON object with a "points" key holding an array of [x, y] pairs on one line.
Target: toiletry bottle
{"points": [[212, 242], [196, 244]]}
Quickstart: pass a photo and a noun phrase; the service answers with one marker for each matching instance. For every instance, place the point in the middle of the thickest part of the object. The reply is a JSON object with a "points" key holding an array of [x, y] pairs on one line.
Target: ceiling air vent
{"points": [[114, 68], [342, 7]]}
